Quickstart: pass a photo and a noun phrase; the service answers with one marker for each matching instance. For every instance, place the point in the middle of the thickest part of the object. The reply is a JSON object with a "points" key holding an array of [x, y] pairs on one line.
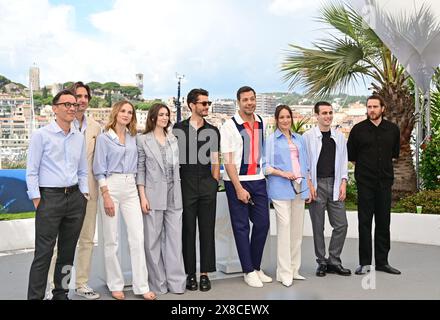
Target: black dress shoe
{"points": [[321, 271], [191, 282], [338, 269], [205, 284], [388, 269], [362, 269]]}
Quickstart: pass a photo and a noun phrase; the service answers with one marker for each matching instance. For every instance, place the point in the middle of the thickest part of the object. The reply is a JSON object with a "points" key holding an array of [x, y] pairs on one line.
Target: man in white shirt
{"points": [[241, 145], [327, 153]]}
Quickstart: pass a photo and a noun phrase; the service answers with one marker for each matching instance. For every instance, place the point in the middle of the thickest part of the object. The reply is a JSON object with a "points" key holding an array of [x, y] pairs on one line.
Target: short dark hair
{"points": [[80, 84], [194, 94], [63, 92], [376, 97], [244, 89], [280, 108], [321, 103]]}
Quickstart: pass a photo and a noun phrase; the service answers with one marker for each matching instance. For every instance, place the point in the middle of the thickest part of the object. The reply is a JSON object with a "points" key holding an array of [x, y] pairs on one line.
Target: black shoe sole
{"points": [[192, 288], [339, 274], [205, 289]]}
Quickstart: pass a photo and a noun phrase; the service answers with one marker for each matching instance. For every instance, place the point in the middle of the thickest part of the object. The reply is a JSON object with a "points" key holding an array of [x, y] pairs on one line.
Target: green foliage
{"points": [[298, 126], [146, 105], [111, 86], [4, 81], [16, 216], [97, 102], [130, 92], [39, 100], [351, 191], [68, 84], [94, 85], [428, 199], [430, 163], [45, 93]]}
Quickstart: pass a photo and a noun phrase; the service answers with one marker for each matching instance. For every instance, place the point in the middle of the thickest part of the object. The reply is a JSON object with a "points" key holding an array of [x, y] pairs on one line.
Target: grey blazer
{"points": [[151, 172]]}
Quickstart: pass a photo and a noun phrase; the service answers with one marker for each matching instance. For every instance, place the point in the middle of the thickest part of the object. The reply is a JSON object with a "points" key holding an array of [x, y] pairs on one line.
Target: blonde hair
{"points": [[114, 114]]}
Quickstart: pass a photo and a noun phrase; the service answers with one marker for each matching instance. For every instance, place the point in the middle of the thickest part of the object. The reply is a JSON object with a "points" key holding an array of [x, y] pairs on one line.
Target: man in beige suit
{"points": [[91, 129]]}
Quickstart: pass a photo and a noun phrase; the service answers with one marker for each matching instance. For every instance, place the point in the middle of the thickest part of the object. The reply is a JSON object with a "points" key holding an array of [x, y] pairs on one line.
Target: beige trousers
{"points": [[290, 223]]}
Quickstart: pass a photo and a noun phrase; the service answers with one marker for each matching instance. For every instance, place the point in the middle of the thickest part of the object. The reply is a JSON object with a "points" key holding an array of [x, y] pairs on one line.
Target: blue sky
{"points": [[219, 45]]}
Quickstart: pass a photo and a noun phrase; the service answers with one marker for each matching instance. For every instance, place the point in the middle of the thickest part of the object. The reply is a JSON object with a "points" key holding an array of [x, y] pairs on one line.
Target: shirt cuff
{"points": [[102, 182], [34, 194]]}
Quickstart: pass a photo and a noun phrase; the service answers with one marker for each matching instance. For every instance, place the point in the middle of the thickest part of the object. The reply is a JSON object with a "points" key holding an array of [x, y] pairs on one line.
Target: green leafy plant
{"points": [[430, 163], [299, 126], [428, 199]]}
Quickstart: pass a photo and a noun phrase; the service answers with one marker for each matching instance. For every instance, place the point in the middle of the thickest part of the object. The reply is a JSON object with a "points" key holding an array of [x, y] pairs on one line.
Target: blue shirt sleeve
{"points": [[82, 170], [99, 160], [33, 165]]}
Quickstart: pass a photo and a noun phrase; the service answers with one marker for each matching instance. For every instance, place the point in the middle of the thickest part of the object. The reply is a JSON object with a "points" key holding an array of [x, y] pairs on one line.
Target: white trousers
{"points": [[290, 223], [123, 191]]}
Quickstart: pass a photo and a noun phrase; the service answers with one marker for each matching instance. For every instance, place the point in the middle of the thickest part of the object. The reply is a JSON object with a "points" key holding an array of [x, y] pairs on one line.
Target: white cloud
{"points": [[219, 44], [286, 7]]}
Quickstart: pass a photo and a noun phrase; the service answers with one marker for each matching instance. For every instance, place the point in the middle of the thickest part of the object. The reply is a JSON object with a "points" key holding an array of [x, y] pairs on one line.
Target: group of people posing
{"points": [[164, 181]]}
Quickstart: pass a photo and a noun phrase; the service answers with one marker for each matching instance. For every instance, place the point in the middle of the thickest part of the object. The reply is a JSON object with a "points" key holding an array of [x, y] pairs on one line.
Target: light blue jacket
{"points": [[277, 155]]}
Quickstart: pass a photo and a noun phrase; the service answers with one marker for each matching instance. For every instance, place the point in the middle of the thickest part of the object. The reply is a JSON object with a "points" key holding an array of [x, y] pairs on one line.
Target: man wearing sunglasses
{"points": [[56, 177], [327, 153], [199, 146]]}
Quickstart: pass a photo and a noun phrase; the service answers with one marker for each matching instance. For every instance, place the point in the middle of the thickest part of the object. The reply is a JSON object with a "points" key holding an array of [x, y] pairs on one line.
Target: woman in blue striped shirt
{"points": [[115, 167]]}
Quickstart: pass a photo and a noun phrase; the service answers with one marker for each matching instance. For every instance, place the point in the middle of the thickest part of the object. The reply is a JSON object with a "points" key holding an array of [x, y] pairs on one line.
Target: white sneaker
{"points": [[87, 292], [298, 277], [253, 280], [263, 277]]}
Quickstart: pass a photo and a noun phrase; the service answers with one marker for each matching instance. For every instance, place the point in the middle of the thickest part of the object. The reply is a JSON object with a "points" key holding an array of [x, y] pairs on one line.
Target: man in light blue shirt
{"points": [[56, 178], [327, 153]]}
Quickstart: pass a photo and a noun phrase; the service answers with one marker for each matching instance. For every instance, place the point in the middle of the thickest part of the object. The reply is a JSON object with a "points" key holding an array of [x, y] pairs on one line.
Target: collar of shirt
{"points": [[113, 136], [239, 119], [318, 132], [186, 123], [55, 128], [278, 134], [84, 124]]}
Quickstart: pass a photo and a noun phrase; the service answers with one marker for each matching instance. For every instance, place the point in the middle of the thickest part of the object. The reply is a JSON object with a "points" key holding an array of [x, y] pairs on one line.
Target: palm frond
{"points": [[327, 68]]}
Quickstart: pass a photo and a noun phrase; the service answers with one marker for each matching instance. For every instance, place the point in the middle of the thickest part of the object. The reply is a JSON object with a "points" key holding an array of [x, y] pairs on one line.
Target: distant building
{"points": [[227, 107], [266, 104], [34, 78]]}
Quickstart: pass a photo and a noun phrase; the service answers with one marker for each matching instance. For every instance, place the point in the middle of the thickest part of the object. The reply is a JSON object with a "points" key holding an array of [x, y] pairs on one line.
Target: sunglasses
{"points": [[204, 103], [293, 186]]}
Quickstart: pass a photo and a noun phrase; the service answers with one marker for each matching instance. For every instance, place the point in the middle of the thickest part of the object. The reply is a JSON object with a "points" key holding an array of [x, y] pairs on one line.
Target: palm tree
{"points": [[357, 54]]}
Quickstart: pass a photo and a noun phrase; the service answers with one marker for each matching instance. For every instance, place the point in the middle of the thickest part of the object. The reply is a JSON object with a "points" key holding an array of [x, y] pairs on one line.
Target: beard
{"points": [[374, 116]]}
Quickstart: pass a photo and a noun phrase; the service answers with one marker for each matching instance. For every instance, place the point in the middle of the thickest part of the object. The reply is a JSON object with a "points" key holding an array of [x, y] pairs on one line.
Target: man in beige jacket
{"points": [[91, 129]]}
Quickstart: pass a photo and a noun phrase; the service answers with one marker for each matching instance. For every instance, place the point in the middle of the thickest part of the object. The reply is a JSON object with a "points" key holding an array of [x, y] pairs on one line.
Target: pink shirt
{"points": [[294, 157]]}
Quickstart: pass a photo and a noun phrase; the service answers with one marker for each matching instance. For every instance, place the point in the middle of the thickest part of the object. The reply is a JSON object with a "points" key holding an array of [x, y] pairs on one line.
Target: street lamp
{"points": [[177, 102]]}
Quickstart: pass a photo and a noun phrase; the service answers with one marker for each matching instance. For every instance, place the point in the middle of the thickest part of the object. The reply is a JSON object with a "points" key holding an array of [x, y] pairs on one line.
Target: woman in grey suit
{"points": [[158, 181]]}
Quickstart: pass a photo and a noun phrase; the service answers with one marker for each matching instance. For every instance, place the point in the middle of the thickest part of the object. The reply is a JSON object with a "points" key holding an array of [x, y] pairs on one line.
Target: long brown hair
{"points": [[278, 111], [152, 117], [114, 114]]}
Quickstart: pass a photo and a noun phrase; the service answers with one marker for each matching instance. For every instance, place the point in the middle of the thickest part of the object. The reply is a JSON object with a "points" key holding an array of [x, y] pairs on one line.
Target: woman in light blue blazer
{"points": [[288, 180], [158, 181]]}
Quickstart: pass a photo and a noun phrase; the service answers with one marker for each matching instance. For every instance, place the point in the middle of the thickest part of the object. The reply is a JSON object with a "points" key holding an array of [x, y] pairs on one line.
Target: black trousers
{"points": [[374, 200], [199, 194], [59, 215]]}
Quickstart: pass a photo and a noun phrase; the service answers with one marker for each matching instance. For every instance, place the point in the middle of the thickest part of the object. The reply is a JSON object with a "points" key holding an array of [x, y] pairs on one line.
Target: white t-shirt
{"points": [[232, 141]]}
